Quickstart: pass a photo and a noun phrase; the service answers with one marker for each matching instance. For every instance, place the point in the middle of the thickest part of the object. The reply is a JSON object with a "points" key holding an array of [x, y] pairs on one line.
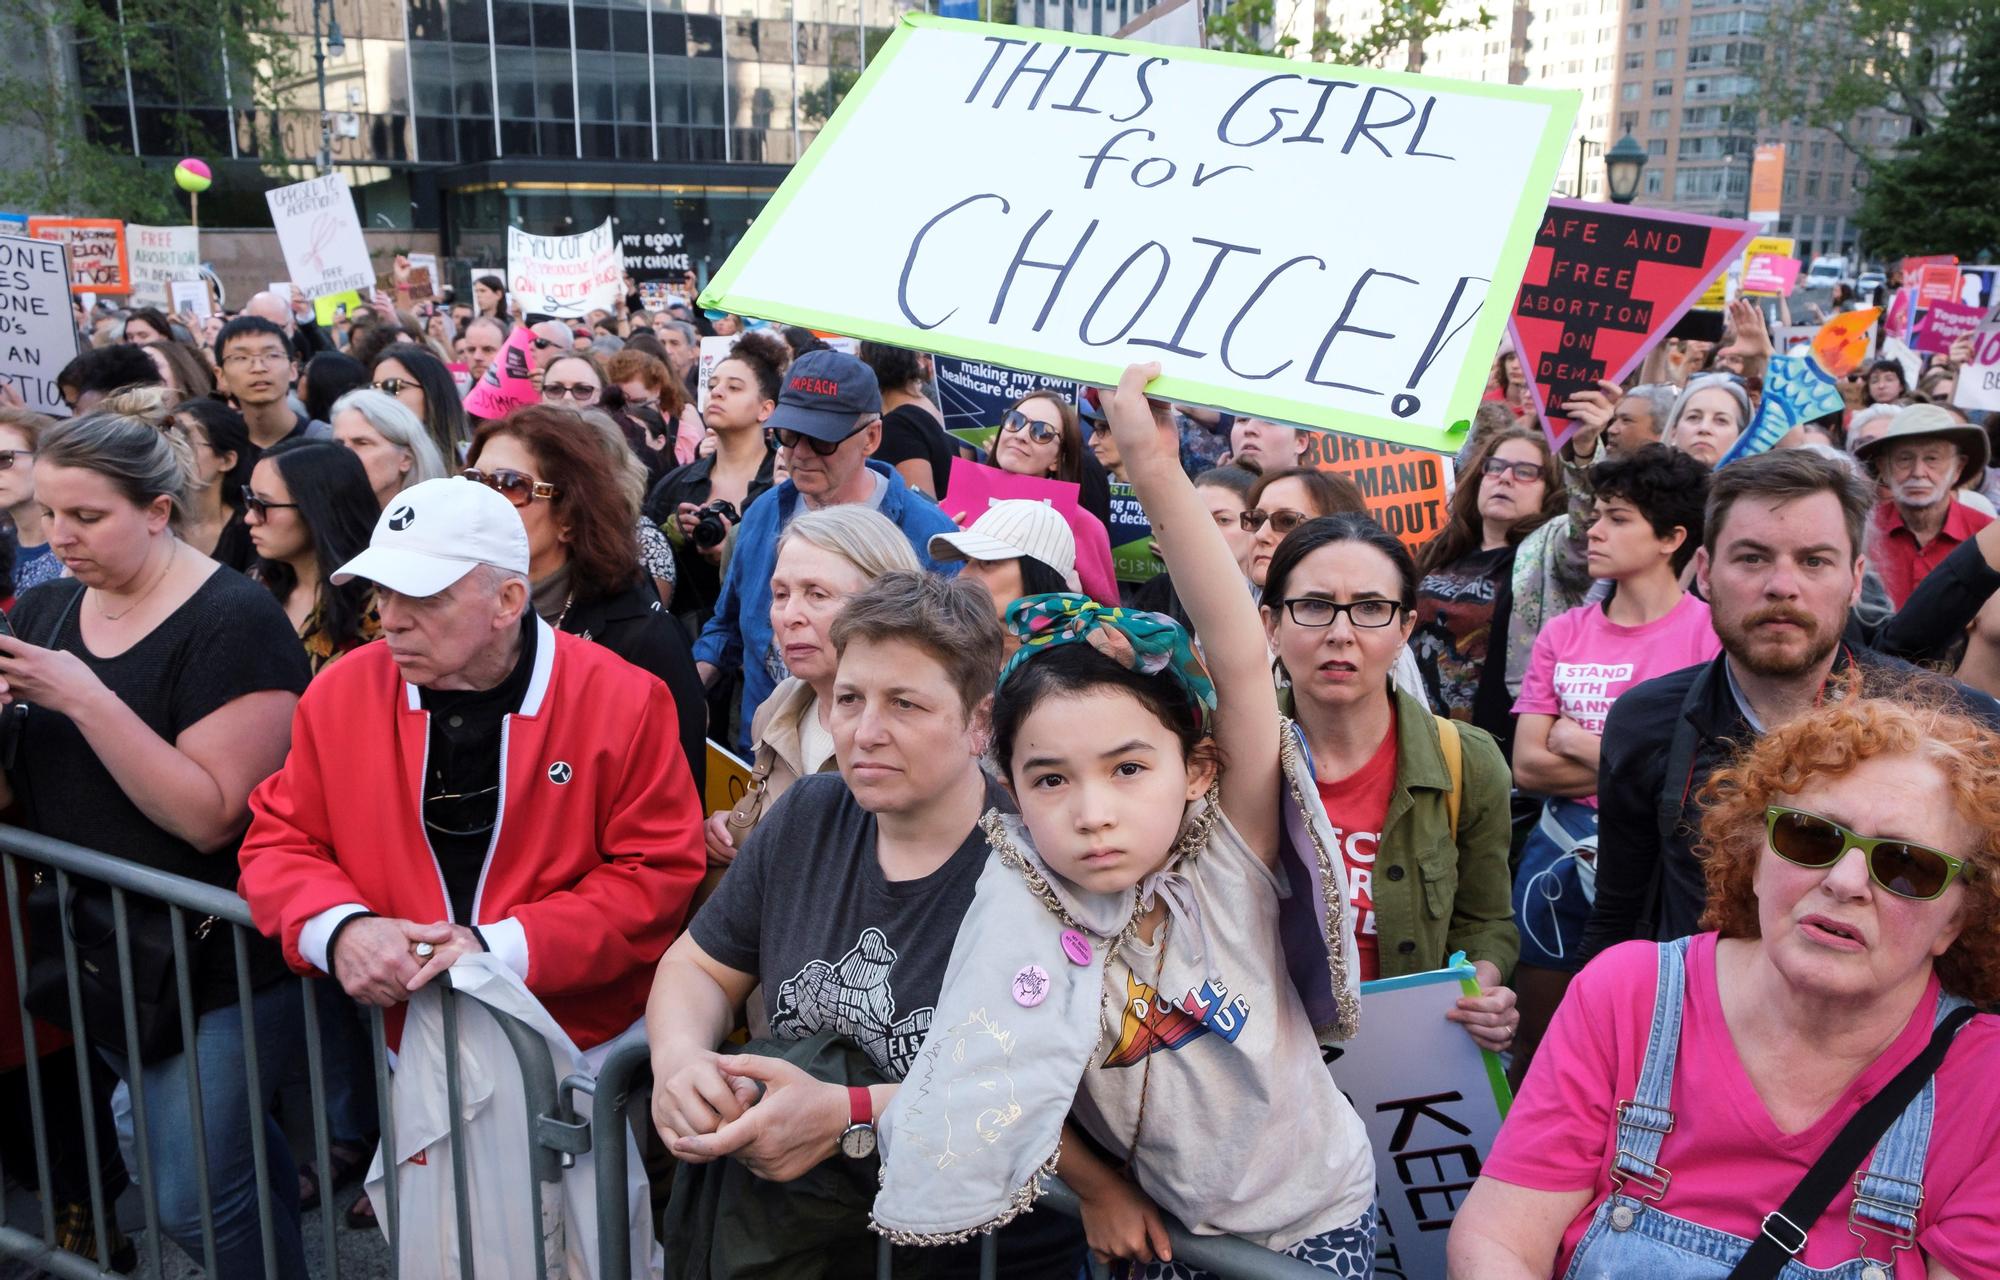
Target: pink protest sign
{"points": [[506, 387], [1770, 275], [974, 486], [1944, 324]]}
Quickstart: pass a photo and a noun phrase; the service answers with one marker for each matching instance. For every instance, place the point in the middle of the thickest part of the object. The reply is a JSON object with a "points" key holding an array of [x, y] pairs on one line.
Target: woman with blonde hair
{"points": [[1807, 1081]]}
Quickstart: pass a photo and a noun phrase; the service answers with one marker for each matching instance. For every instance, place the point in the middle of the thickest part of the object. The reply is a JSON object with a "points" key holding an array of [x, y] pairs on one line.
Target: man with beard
{"points": [[1781, 566], [1923, 459]]}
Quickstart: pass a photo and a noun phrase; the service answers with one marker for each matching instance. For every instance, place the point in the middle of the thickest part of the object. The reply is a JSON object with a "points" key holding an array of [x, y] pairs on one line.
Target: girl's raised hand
{"points": [[1141, 437]]}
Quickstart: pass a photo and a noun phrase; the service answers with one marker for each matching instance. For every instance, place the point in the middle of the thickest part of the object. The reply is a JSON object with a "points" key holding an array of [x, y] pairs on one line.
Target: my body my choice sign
{"points": [[1328, 245]]}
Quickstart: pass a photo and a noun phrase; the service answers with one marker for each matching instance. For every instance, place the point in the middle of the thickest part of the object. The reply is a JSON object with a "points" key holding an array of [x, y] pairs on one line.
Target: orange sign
{"points": [[1404, 488], [96, 251], [1767, 182]]}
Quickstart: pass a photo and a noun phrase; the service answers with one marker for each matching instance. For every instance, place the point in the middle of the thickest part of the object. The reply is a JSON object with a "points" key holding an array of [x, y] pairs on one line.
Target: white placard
{"points": [[567, 277], [1432, 1101], [714, 350], [37, 335], [1979, 380], [191, 295], [1331, 245], [159, 256], [320, 235]]}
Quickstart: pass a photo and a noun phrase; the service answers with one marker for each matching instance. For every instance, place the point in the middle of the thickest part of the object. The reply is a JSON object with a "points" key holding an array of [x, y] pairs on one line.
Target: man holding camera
{"points": [[829, 419]]}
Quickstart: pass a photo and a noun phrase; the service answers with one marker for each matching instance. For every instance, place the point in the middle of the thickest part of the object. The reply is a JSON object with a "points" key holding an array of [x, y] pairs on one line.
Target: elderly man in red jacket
{"points": [[477, 781]]}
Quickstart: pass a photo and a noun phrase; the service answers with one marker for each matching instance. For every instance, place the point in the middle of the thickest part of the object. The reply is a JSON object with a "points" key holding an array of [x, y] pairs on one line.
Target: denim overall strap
{"points": [[1645, 1119], [1888, 1193]]}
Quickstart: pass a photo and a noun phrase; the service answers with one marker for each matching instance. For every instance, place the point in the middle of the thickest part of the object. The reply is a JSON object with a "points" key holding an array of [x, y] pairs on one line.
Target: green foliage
{"points": [[1827, 62], [1251, 26], [1935, 194], [65, 55], [817, 104]]}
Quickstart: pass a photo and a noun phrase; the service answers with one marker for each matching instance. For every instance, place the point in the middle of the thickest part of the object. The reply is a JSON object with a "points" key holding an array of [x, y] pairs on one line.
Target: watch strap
{"points": [[860, 1105]]}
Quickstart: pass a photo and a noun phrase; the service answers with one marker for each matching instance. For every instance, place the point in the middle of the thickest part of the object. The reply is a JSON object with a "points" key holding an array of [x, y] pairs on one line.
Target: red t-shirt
{"points": [[1357, 805], [1731, 1163]]}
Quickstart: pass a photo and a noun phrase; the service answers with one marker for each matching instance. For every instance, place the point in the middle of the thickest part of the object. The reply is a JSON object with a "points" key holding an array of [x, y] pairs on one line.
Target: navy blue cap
{"points": [[824, 396]]}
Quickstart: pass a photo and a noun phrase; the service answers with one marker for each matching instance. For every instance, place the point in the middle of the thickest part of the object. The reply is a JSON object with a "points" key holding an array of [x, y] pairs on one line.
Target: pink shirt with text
{"points": [[1731, 1164]]}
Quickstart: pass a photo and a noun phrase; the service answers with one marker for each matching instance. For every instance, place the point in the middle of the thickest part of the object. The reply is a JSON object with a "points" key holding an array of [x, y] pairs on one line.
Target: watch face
{"points": [[858, 1142]]}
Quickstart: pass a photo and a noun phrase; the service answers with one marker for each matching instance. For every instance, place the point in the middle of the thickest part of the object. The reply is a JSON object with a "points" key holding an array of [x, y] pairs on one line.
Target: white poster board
{"points": [[1432, 1101], [191, 296], [1979, 381], [567, 277], [1336, 246], [320, 236], [160, 256], [714, 350], [37, 334]]}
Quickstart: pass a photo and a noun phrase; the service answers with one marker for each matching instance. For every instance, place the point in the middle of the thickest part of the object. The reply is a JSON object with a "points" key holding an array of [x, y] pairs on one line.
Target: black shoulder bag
{"points": [[1784, 1234]]}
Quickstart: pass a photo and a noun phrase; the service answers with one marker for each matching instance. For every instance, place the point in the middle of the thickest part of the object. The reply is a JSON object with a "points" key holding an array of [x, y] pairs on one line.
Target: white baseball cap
{"points": [[432, 534], [1012, 528]]}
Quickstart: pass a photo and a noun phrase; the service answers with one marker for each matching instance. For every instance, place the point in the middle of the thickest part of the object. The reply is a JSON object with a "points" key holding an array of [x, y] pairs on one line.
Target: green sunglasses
{"points": [[1913, 871]]}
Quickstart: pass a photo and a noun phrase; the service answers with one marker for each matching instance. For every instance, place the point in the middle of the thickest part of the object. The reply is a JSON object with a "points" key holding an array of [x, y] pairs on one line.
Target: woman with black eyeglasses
{"points": [[573, 379], [1511, 486], [1419, 803], [423, 383], [1040, 436], [310, 510]]}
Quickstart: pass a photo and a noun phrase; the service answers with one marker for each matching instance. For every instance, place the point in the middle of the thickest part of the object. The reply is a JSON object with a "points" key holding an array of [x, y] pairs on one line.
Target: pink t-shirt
{"points": [[1582, 660], [1731, 1165]]}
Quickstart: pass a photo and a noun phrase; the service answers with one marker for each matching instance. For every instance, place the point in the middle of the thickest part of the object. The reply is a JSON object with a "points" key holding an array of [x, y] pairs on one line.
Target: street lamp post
{"points": [[334, 44], [1623, 165]]}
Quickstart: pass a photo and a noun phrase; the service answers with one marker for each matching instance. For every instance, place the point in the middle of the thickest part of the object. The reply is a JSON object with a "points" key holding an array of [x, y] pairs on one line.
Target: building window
{"points": [[1655, 182], [1663, 59], [1663, 88], [1657, 119], [1636, 31], [1656, 146], [1629, 91], [1670, 26], [1628, 121], [1633, 61]]}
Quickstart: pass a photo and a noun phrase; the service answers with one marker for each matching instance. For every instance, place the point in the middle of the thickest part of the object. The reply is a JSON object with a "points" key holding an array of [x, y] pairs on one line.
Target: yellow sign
{"points": [[1717, 296], [330, 308], [728, 780]]}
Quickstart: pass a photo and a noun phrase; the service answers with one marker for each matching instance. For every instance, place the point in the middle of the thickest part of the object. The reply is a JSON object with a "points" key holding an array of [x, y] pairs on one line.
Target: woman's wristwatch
{"points": [[857, 1141]]}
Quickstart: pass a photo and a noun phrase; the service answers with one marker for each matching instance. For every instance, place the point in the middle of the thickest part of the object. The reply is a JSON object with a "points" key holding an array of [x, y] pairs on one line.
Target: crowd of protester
{"points": [[285, 618]]}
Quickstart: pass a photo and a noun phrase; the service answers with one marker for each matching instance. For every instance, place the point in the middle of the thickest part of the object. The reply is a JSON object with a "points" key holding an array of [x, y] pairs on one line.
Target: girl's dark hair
{"points": [[767, 357], [1071, 670], [338, 506], [1464, 530], [801, 340], [1326, 531], [1070, 452], [191, 373], [1668, 488], [498, 286], [329, 376], [602, 546], [227, 433], [444, 412], [154, 318], [1889, 365], [895, 367], [1039, 577]]}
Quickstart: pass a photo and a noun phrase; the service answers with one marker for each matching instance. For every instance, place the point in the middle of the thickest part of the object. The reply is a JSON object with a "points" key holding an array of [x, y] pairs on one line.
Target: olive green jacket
{"points": [[1434, 895]]}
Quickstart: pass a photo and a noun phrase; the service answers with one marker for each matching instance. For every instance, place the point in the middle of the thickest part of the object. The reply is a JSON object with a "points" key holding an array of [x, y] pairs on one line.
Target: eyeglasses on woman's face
{"points": [[1282, 521], [7, 456], [1914, 871], [1319, 612], [1523, 472], [581, 392], [256, 506], [518, 487], [396, 386], [1040, 432]]}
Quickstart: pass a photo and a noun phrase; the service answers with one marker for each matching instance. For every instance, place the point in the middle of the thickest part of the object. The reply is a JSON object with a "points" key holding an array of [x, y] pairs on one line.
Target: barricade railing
{"points": [[559, 1125]]}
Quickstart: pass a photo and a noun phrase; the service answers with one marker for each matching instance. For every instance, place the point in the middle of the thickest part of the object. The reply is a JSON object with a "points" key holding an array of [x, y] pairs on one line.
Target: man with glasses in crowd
{"points": [[829, 420], [1922, 459], [257, 369]]}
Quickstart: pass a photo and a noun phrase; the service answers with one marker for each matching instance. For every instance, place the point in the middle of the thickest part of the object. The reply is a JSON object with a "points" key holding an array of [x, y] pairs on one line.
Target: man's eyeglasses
{"points": [[580, 391], [1281, 521], [1907, 870], [1524, 472], [394, 386], [256, 506], [517, 487], [256, 360], [784, 439], [1040, 432], [1312, 611], [7, 456]]}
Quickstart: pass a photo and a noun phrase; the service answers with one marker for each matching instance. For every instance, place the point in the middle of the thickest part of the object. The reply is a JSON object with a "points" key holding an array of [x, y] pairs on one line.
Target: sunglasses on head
{"points": [[1040, 432], [517, 487], [1282, 522], [787, 439], [1907, 870], [256, 506]]}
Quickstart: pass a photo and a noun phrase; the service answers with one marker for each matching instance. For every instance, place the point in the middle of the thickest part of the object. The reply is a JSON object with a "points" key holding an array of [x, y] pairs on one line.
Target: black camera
{"points": [[711, 526]]}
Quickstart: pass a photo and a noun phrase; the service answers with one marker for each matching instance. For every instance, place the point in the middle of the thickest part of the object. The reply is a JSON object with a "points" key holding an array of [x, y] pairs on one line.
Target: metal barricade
{"points": [[629, 1068]]}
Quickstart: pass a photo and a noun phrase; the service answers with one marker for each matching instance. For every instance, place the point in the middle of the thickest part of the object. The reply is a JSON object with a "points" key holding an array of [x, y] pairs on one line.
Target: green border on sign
{"points": [[1484, 334], [1457, 967]]}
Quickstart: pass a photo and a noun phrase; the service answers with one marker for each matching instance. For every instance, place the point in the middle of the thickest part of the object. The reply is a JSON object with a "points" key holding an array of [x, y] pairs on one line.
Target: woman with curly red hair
{"points": [[1686, 1088]]}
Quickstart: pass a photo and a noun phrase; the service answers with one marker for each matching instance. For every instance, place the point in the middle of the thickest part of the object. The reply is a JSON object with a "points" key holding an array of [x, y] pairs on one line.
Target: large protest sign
{"points": [[1297, 244], [37, 335], [973, 486], [1944, 323], [1979, 380], [655, 255], [974, 395], [1432, 1101], [97, 257], [159, 256], [565, 276], [506, 385], [1408, 491], [1602, 284], [1770, 275], [320, 236]]}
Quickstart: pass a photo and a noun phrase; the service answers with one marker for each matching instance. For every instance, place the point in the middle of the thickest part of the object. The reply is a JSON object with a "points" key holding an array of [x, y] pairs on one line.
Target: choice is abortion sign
{"points": [[1317, 245]]}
